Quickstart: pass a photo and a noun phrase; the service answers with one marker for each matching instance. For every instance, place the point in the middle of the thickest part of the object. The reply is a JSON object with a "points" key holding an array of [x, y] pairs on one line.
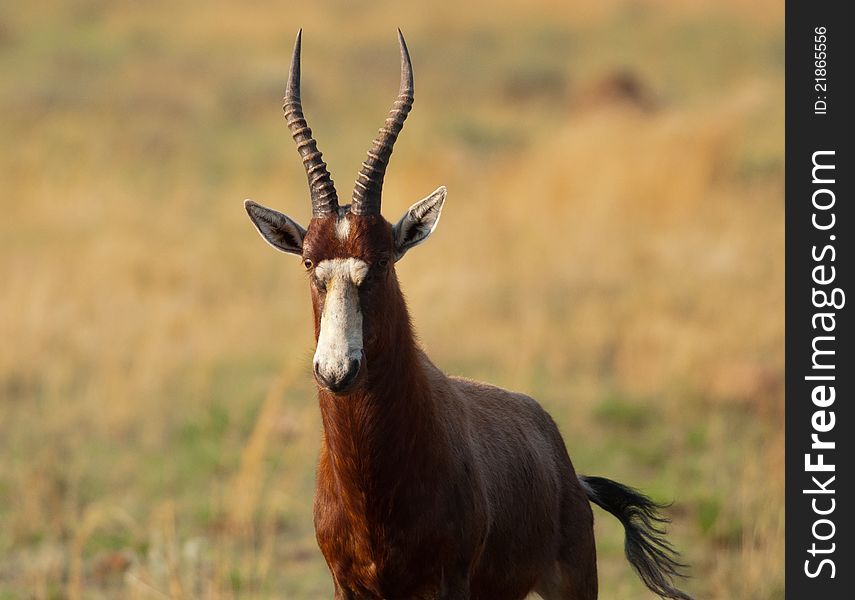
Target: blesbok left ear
{"points": [[418, 222], [280, 231]]}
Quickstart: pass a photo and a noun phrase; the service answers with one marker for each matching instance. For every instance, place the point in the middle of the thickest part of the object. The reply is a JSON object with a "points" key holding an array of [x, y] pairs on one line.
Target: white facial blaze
{"points": [[340, 339], [342, 228]]}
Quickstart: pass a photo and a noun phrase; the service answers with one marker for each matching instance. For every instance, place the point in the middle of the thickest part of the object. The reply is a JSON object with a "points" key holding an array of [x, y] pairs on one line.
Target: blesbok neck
{"points": [[389, 419]]}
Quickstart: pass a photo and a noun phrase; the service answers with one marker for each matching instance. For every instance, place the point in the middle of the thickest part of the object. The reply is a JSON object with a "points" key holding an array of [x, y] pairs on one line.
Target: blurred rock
{"points": [[621, 87]]}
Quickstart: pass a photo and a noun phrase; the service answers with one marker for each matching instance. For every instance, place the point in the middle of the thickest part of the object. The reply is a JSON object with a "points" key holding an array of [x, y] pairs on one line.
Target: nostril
{"points": [[349, 376], [319, 376], [353, 368]]}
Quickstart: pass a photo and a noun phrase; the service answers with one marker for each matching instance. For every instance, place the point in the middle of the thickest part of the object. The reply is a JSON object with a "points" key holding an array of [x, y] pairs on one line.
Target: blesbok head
{"points": [[348, 250]]}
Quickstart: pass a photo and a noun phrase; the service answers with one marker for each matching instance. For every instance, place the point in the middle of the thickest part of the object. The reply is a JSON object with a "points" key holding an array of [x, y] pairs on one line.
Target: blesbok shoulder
{"points": [[430, 486]]}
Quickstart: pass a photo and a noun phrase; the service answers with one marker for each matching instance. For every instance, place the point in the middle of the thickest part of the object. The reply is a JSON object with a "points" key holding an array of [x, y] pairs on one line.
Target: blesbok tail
{"points": [[647, 550]]}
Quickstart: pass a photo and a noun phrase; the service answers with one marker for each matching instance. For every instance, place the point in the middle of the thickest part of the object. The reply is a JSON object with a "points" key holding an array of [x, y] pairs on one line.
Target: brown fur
{"points": [[434, 487]]}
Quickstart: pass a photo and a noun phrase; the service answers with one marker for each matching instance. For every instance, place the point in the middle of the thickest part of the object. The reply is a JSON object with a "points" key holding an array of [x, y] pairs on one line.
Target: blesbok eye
{"points": [[383, 263], [308, 264]]}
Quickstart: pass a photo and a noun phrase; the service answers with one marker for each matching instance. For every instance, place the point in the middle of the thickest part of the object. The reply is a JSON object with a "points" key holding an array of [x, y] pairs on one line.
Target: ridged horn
{"points": [[369, 181], [324, 197]]}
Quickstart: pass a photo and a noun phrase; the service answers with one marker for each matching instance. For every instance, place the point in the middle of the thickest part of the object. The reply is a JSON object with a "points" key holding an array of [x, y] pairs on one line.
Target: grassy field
{"points": [[612, 245]]}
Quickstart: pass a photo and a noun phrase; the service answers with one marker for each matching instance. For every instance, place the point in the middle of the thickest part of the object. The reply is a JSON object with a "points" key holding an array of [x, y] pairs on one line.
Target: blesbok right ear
{"points": [[280, 231]]}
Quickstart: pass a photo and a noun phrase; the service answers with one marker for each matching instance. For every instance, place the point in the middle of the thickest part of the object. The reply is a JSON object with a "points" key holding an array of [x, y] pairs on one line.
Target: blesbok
{"points": [[429, 486]]}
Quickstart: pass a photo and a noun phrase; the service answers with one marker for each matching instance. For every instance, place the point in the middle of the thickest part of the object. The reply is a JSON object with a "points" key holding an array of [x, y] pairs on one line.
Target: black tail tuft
{"points": [[647, 550]]}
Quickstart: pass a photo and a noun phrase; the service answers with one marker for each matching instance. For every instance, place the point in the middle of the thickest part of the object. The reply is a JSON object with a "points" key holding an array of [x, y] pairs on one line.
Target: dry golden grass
{"points": [[619, 259]]}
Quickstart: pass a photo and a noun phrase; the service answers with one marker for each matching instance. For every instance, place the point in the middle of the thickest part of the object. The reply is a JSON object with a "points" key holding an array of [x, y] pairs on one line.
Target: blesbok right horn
{"points": [[324, 197]]}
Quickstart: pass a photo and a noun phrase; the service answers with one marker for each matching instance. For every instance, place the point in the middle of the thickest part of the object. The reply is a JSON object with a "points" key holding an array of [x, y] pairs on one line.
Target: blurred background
{"points": [[612, 245]]}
